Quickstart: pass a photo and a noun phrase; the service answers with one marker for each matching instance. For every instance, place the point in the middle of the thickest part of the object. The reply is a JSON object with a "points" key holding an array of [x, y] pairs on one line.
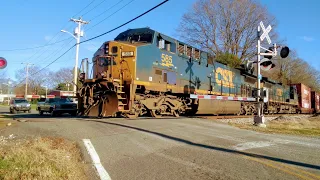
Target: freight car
{"points": [[144, 72]]}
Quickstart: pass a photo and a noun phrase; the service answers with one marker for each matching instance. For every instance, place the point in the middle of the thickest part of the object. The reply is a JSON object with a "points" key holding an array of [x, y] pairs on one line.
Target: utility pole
{"points": [[46, 90], [68, 86], [27, 73], [77, 34]]}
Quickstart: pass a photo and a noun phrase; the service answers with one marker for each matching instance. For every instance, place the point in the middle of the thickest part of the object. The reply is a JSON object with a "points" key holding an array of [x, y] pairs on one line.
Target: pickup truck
{"points": [[41, 101], [57, 106]]}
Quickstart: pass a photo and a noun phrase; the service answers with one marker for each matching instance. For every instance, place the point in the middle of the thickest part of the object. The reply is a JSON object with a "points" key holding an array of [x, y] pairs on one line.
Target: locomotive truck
{"points": [[146, 73]]}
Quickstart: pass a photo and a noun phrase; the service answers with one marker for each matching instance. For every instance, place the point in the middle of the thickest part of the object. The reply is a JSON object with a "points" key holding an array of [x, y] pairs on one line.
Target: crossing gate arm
{"points": [[229, 98]]}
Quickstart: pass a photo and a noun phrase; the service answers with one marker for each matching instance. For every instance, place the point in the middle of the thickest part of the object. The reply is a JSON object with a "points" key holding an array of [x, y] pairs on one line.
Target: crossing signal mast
{"points": [[265, 64]]}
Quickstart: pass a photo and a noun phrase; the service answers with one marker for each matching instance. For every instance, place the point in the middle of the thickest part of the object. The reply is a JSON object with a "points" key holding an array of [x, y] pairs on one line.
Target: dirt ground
{"points": [[308, 125]]}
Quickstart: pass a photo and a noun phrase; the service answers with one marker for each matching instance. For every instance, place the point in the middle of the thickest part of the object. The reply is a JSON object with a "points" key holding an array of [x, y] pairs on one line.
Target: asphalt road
{"points": [[183, 148]]}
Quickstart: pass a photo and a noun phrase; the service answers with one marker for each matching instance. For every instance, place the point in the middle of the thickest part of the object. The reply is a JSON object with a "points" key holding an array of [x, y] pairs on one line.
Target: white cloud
{"points": [[47, 38], [307, 38]]}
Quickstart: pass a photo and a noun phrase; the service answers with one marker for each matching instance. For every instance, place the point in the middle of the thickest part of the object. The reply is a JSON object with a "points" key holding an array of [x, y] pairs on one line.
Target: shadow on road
{"points": [[35, 116], [214, 147], [68, 116]]}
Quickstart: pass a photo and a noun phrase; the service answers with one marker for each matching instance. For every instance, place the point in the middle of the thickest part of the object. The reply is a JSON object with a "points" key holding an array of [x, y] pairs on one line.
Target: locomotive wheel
{"points": [[155, 114], [241, 112], [132, 116], [176, 113]]}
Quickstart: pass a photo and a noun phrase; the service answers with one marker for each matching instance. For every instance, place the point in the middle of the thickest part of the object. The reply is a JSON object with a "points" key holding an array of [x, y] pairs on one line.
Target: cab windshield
{"points": [[62, 100], [21, 101], [137, 37]]}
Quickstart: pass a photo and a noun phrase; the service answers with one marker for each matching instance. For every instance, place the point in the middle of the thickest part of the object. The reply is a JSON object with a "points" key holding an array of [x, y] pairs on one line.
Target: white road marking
{"points": [[96, 160], [252, 145], [184, 162]]}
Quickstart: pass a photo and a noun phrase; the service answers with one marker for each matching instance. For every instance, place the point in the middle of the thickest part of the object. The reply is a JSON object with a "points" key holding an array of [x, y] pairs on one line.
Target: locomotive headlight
{"points": [[107, 49], [104, 74], [82, 76]]}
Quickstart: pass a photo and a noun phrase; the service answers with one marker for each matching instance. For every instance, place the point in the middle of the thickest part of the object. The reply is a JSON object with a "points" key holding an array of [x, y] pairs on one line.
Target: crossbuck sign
{"points": [[265, 33]]}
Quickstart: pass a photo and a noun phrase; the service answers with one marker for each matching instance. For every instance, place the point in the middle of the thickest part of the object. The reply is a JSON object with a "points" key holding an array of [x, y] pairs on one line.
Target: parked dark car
{"points": [[57, 106], [19, 105]]}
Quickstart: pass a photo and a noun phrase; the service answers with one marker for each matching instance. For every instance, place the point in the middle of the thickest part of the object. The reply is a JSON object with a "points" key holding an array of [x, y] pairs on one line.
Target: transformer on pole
{"points": [[77, 34]]}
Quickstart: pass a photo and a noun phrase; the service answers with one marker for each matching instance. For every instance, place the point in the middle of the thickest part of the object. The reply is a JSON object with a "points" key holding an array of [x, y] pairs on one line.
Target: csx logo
{"points": [[224, 77], [279, 92], [166, 60]]}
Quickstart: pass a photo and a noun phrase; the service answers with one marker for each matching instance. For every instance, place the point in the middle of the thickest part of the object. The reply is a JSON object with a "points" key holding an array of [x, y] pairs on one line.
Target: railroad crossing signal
{"points": [[266, 64], [3, 63], [284, 52], [265, 33]]}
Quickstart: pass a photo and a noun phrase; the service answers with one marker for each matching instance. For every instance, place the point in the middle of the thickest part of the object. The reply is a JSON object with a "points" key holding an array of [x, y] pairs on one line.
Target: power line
{"points": [[106, 10], [22, 49], [125, 23], [54, 52], [111, 15], [60, 34], [84, 8], [48, 64], [93, 8], [55, 60], [100, 36], [48, 43]]}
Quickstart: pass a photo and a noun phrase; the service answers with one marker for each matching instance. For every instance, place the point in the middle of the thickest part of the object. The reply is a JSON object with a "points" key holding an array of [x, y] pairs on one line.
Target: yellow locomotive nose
{"points": [[107, 107]]}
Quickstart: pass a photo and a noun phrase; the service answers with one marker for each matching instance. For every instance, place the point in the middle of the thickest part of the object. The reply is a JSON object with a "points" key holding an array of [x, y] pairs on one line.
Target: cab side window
{"points": [[166, 45]]}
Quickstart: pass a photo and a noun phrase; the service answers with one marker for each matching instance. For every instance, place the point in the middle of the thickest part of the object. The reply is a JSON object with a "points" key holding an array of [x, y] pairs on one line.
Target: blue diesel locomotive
{"points": [[144, 72]]}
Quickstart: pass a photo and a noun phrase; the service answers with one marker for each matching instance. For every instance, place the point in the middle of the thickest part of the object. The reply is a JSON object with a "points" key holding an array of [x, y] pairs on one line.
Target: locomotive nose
{"points": [[107, 107]]}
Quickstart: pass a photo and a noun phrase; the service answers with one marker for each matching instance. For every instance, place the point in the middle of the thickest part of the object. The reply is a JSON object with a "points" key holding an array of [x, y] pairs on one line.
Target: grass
{"points": [[33, 106], [2, 124], [4, 120], [42, 158], [307, 126]]}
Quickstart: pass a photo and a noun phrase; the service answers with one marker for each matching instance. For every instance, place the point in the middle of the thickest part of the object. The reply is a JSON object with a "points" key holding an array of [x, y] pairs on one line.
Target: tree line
{"points": [[45, 79], [227, 29]]}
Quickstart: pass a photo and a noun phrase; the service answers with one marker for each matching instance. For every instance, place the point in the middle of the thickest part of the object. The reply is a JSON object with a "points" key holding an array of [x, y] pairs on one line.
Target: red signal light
{"points": [[3, 63], [266, 63]]}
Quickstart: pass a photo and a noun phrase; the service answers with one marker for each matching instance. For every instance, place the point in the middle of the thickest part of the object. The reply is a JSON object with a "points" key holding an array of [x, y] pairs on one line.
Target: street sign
{"points": [[265, 33], [3, 63]]}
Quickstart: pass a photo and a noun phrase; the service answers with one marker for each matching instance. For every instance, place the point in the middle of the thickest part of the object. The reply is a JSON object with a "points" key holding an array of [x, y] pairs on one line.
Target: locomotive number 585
{"points": [[166, 60]]}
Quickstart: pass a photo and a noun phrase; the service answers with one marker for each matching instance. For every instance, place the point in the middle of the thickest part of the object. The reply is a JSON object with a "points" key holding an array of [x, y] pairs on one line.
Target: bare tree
{"points": [[63, 75], [293, 70], [36, 79], [225, 26], [3, 82]]}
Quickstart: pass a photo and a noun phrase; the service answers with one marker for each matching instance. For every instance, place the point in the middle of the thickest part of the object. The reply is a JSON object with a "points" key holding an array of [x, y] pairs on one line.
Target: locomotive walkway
{"points": [[183, 148]]}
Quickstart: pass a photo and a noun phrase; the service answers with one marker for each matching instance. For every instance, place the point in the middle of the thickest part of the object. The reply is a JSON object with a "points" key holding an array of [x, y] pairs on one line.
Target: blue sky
{"points": [[34, 22]]}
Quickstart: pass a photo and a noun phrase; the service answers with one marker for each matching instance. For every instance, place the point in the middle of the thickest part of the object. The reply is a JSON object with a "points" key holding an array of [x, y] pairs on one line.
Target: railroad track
{"points": [[241, 116]]}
